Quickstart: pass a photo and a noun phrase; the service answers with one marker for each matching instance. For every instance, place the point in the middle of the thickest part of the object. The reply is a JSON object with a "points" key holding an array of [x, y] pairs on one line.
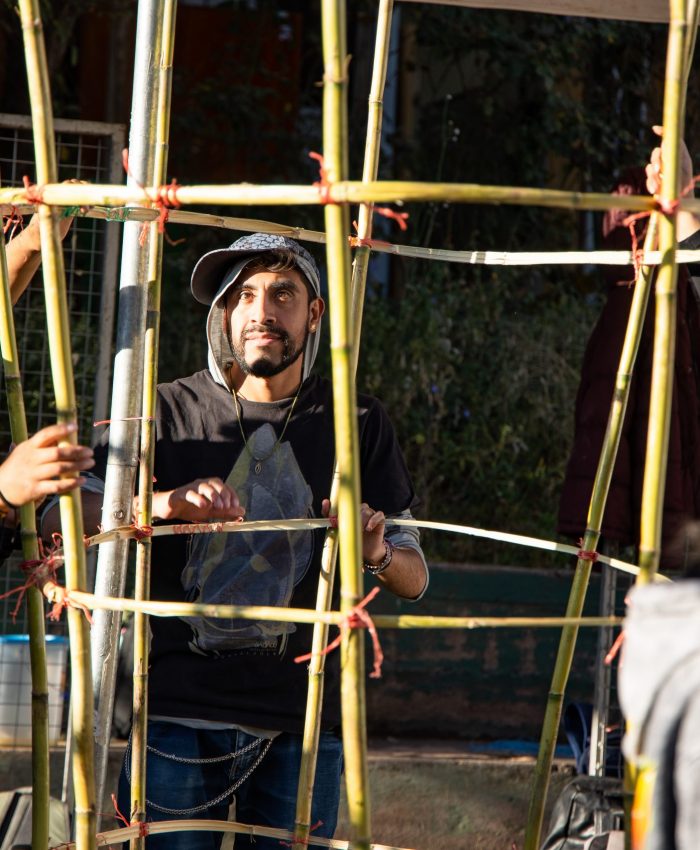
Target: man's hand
{"points": [[372, 523], [201, 500], [31, 470], [654, 168]]}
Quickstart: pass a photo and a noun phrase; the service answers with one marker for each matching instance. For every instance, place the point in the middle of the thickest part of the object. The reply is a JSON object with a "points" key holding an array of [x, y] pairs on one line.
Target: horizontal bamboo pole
{"points": [[473, 257], [332, 618], [342, 192], [129, 531], [119, 836]]}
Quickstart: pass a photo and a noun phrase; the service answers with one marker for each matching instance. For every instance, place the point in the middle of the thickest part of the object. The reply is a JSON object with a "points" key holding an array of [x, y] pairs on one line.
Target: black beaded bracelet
{"points": [[375, 569]]}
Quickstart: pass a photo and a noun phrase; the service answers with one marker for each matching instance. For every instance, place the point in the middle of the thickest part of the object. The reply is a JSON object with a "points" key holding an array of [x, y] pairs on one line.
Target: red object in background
{"points": [[236, 77]]}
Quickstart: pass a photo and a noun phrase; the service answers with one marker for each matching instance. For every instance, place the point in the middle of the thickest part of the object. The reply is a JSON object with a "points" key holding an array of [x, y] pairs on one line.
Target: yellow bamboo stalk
{"points": [[470, 257], [144, 546], [345, 420], [599, 495], [62, 372], [165, 827], [335, 618], [665, 321], [312, 724], [30, 552], [338, 192]]}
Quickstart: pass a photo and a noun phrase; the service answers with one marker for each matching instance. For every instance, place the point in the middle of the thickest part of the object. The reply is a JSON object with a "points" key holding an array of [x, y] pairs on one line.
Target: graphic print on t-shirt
{"points": [[252, 568]]}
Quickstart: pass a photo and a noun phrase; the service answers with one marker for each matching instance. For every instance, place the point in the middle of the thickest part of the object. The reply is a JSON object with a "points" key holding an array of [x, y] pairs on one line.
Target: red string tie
{"points": [[118, 814], [141, 532], [123, 419], [333, 521], [33, 193], [323, 184], [357, 618], [615, 648], [358, 242], [165, 198], [586, 555], [12, 221], [399, 217], [304, 841]]}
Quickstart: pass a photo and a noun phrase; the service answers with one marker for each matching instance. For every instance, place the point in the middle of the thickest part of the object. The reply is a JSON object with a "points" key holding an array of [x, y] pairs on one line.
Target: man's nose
{"points": [[264, 309]]}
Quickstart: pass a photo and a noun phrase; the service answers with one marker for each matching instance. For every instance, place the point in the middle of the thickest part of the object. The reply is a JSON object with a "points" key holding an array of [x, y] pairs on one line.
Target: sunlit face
{"points": [[270, 316]]}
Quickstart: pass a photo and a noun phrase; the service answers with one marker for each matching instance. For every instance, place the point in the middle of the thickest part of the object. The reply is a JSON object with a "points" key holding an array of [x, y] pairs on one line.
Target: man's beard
{"points": [[265, 366]]}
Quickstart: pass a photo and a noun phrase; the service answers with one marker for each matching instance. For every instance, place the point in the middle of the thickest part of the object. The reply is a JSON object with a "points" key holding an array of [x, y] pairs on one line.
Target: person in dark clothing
{"points": [[252, 436], [600, 362]]}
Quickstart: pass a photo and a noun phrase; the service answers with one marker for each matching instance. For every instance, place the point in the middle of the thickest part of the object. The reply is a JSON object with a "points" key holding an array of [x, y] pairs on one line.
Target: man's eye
{"points": [[284, 294], [245, 295]]}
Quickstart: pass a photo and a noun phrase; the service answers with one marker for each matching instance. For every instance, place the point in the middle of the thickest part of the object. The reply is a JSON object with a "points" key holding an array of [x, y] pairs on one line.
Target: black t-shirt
{"points": [[243, 671]]}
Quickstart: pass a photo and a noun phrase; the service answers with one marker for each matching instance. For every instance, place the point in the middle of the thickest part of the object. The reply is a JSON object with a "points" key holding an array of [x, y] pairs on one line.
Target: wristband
{"points": [[375, 569], [7, 504]]}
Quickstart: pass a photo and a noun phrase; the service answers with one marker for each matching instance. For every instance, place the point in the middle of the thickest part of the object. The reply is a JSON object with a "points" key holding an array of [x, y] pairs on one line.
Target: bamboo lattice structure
{"points": [[346, 298]]}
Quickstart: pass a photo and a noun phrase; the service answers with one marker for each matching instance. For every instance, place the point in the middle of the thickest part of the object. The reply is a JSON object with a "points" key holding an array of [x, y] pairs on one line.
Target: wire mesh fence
{"points": [[91, 152]]}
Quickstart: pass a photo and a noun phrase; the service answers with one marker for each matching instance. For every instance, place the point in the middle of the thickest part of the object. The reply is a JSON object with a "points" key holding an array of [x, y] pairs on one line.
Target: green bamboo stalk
{"points": [[653, 488], [62, 372], [30, 551], [599, 495], [145, 515], [345, 419], [340, 192], [312, 722]]}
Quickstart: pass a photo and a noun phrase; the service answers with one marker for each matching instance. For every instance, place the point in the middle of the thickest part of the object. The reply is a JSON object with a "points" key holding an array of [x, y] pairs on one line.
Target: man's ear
{"points": [[317, 308]]}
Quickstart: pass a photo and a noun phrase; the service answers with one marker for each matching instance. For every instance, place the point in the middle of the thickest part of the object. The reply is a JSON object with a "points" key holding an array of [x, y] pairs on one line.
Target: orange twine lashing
{"points": [[164, 200], [357, 618]]}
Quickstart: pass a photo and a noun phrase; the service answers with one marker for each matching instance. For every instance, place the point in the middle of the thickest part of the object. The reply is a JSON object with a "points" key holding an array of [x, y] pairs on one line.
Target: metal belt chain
{"points": [[195, 810]]}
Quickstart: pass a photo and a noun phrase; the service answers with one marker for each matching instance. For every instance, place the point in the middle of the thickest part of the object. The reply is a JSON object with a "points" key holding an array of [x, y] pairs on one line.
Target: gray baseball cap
{"points": [[211, 269]]}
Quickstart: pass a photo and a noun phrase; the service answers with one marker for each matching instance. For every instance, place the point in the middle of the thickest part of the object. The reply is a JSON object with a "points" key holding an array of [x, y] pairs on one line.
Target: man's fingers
{"points": [[325, 507], [57, 486], [62, 467], [53, 433]]}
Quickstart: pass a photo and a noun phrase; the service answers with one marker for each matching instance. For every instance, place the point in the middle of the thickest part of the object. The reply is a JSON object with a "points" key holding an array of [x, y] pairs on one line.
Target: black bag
{"points": [[586, 807], [16, 820]]}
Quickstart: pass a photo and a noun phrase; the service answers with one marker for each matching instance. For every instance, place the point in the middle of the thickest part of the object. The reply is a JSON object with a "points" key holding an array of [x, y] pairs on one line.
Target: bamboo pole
{"points": [[139, 739], [123, 458], [30, 552], [62, 373], [661, 392], [334, 618], [345, 420], [470, 257], [312, 724], [599, 495], [336, 192]]}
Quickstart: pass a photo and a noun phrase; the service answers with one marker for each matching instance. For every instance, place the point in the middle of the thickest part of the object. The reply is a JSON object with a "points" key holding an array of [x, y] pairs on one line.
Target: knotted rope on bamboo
{"points": [[357, 618]]}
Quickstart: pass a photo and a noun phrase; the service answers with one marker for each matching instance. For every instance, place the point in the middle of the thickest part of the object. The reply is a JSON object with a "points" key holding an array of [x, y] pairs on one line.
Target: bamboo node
{"points": [[305, 841], [357, 618]]}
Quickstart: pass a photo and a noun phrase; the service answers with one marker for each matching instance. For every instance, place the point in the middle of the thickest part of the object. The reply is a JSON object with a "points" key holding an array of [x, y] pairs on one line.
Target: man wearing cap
{"points": [[252, 437]]}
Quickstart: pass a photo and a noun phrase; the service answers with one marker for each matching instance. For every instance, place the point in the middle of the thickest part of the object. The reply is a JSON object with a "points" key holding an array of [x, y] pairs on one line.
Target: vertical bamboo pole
{"points": [[123, 458], [62, 372], [143, 553], [661, 393], [599, 495], [333, 16], [30, 551], [312, 726], [639, 778]]}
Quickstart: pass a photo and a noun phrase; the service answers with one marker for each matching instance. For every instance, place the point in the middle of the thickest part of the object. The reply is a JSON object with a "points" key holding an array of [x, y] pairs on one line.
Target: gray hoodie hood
{"points": [[218, 270]]}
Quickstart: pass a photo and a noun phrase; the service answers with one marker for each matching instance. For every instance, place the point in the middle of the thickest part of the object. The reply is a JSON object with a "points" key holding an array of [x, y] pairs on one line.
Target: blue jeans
{"points": [[267, 797]]}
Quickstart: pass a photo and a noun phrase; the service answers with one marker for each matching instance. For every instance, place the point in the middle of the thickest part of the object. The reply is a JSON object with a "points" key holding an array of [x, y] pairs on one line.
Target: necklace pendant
{"points": [[258, 468]]}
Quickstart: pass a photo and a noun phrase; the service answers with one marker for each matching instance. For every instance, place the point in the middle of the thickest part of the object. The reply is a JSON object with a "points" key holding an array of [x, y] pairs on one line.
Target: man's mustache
{"points": [[265, 329]]}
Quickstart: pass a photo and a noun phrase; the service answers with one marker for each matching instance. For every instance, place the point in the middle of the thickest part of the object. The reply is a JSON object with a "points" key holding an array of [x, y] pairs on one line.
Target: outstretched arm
{"points": [[24, 255]]}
